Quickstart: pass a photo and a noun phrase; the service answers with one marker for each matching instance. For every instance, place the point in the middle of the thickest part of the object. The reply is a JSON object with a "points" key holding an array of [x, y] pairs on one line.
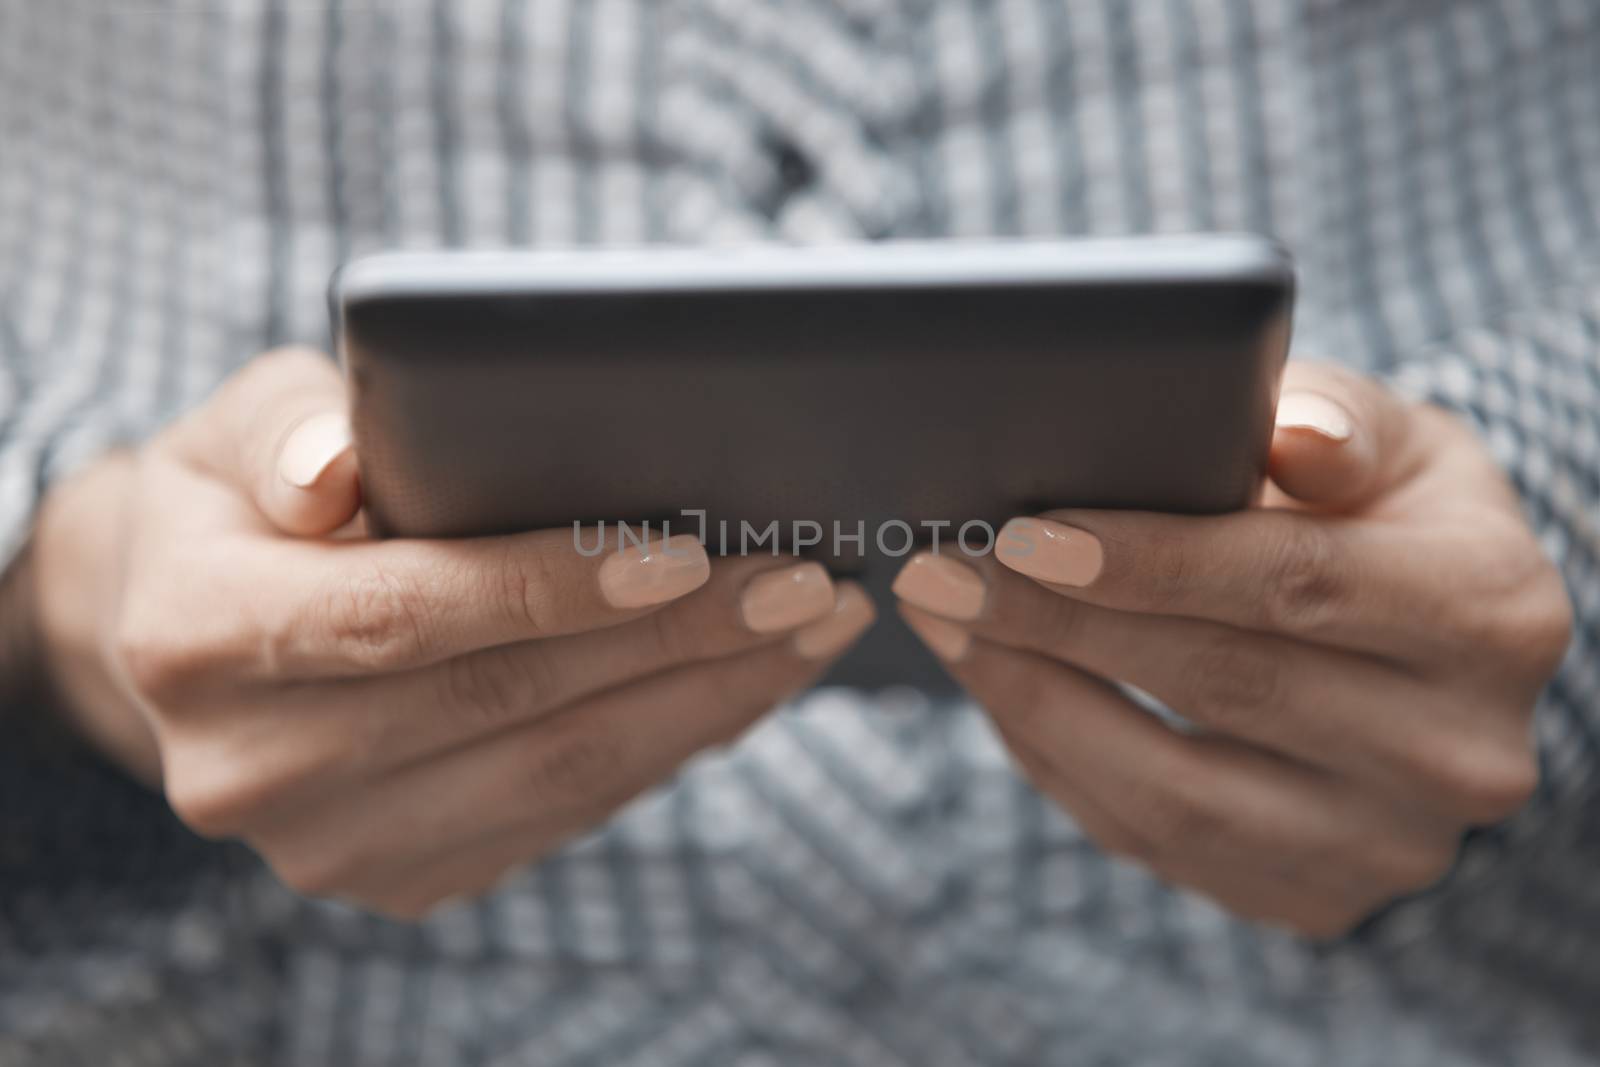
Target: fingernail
{"points": [[312, 448], [941, 585], [1050, 551], [1315, 412], [852, 614], [947, 640], [659, 571], [782, 600]]}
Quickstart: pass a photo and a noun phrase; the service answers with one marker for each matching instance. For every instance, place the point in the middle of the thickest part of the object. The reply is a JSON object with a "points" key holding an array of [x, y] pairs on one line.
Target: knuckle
{"points": [[577, 767], [1502, 788], [1013, 688], [528, 591], [667, 638], [212, 797], [1484, 782], [207, 812], [670, 641], [1536, 628], [375, 620], [157, 667], [1304, 582], [1168, 569], [311, 875], [1062, 626], [490, 688], [1172, 817], [221, 784], [1514, 610], [1411, 867], [161, 659], [1232, 683]]}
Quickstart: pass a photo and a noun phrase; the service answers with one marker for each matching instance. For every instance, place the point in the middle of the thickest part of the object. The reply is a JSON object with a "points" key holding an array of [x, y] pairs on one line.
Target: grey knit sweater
{"points": [[863, 879]]}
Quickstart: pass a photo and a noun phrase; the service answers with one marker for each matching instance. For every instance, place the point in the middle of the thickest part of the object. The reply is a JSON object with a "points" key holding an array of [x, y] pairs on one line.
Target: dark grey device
{"points": [[850, 386]]}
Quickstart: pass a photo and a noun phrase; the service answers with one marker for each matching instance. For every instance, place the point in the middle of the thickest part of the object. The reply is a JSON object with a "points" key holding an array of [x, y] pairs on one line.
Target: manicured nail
{"points": [[1315, 412], [659, 571], [313, 447], [1050, 551], [947, 640], [941, 585], [782, 600], [852, 614]]}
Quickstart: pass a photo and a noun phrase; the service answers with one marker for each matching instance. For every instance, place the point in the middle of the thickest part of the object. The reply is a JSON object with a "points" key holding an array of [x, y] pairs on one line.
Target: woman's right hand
{"points": [[391, 722]]}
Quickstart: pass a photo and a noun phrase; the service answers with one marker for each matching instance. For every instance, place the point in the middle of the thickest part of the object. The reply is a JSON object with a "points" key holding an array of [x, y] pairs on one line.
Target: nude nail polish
{"points": [[1050, 551], [1315, 412], [852, 614], [941, 585], [947, 640], [661, 570], [312, 447], [782, 600]]}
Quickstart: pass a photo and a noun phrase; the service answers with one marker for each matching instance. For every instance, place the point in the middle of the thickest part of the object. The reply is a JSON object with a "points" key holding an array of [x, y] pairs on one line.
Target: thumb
{"points": [[1341, 439], [279, 431]]}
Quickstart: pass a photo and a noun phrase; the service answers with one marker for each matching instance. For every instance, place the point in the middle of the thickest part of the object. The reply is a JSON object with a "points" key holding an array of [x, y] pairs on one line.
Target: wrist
{"points": [[75, 567], [22, 679]]}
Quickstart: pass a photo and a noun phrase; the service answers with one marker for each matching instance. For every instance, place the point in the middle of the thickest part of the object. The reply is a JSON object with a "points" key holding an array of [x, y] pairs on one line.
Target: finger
{"points": [[1352, 714], [279, 432], [472, 696], [1203, 799], [1341, 439], [1381, 588], [283, 750], [544, 783], [1307, 907], [471, 869], [384, 723], [357, 608]]}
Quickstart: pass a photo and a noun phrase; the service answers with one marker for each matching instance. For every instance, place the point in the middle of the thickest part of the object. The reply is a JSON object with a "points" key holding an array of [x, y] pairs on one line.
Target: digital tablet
{"points": [[849, 400]]}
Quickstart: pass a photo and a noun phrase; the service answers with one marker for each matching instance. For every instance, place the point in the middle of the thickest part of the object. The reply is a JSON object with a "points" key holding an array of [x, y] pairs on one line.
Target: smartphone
{"points": [[859, 390]]}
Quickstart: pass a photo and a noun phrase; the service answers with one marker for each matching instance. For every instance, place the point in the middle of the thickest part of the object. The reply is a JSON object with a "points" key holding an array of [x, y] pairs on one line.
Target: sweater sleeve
{"points": [[16, 477], [114, 190], [1529, 382]]}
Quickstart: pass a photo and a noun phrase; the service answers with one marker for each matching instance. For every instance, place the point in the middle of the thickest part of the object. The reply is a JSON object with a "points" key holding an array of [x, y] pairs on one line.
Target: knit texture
{"points": [[863, 879]]}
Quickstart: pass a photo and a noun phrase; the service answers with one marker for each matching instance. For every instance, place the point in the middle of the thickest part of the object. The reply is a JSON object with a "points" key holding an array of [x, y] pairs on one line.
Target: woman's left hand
{"points": [[1358, 657]]}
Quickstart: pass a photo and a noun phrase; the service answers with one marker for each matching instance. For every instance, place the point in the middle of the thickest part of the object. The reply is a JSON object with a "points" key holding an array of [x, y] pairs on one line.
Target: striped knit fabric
{"points": [[863, 880]]}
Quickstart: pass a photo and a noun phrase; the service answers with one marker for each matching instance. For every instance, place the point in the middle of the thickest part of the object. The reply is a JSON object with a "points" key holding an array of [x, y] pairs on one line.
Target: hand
{"points": [[1359, 658], [392, 722]]}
